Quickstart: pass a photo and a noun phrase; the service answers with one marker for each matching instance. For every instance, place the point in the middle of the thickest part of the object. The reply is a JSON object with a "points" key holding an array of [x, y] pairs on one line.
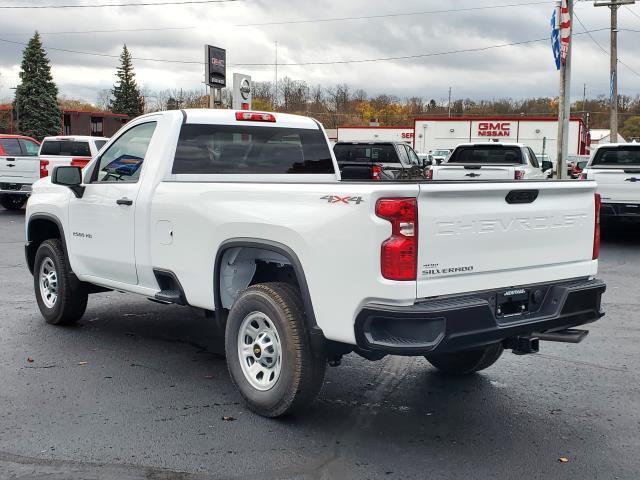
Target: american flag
{"points": [[565, 31]]}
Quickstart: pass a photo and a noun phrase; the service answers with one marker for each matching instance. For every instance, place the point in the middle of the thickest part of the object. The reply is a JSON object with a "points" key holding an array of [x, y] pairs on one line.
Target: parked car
{"points": [[489, 161], [616, 169], [378, 161], [440, 155], [19, 168], [577, 168], [243, 215]]}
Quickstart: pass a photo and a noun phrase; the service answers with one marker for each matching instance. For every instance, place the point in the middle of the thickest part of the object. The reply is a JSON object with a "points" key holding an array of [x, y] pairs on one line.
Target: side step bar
{"points": [[571, 335]]}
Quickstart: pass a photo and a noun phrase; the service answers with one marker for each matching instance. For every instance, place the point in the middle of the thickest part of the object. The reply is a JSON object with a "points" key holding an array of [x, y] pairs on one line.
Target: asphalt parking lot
{"points": [[133, 391]]}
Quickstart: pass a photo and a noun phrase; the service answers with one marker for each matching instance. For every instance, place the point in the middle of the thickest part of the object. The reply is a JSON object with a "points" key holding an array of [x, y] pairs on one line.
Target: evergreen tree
{"points": [[126, 94], [36, 102]]}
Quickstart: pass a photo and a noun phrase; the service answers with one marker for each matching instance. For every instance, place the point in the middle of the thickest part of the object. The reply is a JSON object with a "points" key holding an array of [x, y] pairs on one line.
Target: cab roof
{"points": [[228, 117]]}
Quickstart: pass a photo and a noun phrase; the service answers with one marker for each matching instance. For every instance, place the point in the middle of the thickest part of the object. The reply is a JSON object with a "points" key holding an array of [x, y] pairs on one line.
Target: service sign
{"points": [[216, 66], [494, 129]]}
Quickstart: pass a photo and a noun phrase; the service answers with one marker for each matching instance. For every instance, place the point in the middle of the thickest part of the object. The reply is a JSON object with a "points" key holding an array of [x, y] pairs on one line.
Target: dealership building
{"points": [[73, 122], [434, 132]]}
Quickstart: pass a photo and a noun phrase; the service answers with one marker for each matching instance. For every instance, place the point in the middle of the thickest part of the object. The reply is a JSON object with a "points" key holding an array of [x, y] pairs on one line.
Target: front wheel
{"points": [[269, 352], [466, 362], [60, 299], [13, 202]]}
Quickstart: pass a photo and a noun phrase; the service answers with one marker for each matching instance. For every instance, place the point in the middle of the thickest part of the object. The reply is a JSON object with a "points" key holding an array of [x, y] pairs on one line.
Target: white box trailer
{"points": [[539, 133], [375, 134]]}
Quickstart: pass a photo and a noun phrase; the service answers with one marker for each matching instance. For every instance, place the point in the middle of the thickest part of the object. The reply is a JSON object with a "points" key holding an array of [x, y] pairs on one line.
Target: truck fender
{"points": [[289, 254]]}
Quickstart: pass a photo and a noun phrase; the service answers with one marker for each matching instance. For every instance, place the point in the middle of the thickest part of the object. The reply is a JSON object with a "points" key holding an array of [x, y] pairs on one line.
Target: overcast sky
{"points": [[516, 71]]}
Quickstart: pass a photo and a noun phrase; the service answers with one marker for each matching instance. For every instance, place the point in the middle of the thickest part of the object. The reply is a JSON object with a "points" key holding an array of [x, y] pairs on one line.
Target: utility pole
{"points": [[449, 103], [613, 62], [275, 94], [564, 100]]}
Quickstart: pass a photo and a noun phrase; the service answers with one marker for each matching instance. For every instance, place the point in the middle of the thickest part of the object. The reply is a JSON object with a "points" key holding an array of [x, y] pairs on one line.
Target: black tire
{"points": [[467, 362], [302, 370], [13, 202], [71, 301]]}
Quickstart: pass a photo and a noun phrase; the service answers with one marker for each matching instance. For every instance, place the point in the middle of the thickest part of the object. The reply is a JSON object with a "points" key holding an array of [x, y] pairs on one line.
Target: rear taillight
{"points": [[255, 117], [596, 228], [399, 252], [79, 162], [428, 174], [518, 175], [375, 172], [44, 171]]}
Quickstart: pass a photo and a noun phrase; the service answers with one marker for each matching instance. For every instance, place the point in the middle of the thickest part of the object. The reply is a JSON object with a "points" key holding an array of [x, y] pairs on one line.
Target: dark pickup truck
{"points": [[378, 161]]}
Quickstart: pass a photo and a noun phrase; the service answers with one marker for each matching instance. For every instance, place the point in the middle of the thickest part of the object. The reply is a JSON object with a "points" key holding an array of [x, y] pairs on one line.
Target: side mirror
{"points": [[68, 176]]}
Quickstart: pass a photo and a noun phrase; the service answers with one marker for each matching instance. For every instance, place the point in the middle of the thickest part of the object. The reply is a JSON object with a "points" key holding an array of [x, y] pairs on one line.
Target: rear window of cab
{"points": [[67, 148], [246, 149]]}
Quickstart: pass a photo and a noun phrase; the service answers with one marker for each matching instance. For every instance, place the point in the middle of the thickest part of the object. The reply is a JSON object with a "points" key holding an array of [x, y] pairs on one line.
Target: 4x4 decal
{"points": [[339, 199]]}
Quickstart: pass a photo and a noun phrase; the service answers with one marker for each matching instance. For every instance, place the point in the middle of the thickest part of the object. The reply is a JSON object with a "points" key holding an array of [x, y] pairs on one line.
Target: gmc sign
{"points": [[490, 129]]}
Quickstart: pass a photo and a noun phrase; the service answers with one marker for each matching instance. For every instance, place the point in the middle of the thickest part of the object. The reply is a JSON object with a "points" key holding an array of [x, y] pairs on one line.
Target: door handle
{"points": [[124, 201], [11, 164]]}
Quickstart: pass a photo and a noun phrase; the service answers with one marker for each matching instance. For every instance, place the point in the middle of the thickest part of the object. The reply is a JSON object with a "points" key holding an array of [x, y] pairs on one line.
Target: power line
{"points": [[332, 62], [405, 14], [101, 5], [632, 12], [604, 50], [73, 32]]}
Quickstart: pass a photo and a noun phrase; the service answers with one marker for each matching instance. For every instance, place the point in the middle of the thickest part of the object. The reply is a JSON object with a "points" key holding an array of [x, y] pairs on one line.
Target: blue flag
{"points": [[555, 39]]}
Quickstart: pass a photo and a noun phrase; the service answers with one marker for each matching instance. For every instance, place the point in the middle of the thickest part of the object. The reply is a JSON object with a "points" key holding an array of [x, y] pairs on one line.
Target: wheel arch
{"points": [[42, 226], [280, 249]]}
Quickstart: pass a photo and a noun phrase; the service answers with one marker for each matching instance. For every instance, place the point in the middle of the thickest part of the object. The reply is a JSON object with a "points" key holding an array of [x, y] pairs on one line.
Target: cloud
{"points": [[516, 71]]}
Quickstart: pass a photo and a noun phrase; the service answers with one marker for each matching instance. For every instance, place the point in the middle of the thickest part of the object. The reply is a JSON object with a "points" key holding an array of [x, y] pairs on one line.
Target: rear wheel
{"points": [[467, 362], [62, 301], [13, 202], [269, 352]]}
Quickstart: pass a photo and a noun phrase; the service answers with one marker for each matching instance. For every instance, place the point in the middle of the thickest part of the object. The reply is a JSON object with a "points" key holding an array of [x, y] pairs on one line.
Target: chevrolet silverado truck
{"points": [[616, 169], [489, 161], [17, 157], [378, 161], [244, 216]]}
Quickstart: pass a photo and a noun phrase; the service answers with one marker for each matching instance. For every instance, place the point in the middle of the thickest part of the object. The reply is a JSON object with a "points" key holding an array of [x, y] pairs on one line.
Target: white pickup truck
{"points": [[17, 157], [243, 215], [616, 169], [17, 173], [489, 161]]}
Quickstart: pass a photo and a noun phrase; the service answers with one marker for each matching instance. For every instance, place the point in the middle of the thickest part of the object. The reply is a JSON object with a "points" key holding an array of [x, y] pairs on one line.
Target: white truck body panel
{"points": [[177, 222], [616, 183]]}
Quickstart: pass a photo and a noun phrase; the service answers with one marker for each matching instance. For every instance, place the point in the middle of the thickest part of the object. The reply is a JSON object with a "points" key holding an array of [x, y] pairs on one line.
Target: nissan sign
{"points": [[216, 66], [241, 91]]}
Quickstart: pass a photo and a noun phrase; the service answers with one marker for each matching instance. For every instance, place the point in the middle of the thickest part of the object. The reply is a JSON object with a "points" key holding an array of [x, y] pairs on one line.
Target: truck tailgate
{"points": [[477, 172], [471, 238], [618, 185], [19, 169]]}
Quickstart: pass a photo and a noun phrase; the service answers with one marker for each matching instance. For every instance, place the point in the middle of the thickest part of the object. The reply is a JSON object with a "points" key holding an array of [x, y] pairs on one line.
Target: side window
{"points": [[10, 146], [402, 153], [123, 160], [413, 157], [534, 159], [29, 148]]}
